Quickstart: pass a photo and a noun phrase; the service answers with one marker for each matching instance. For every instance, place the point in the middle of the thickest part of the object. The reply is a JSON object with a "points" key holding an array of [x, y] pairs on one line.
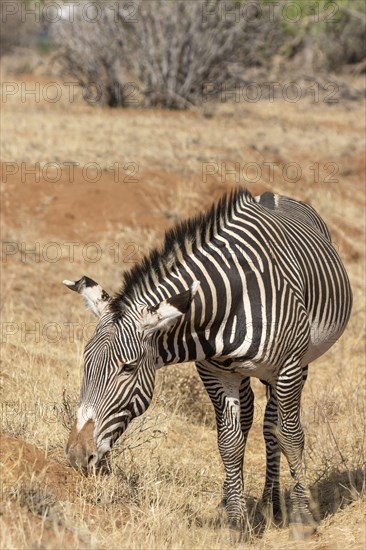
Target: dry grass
{"points": [[165, 474]]}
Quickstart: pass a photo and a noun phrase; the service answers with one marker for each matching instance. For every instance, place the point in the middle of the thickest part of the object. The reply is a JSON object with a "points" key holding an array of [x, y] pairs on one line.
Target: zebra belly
{"points": [[263, 371], [321, 340]]}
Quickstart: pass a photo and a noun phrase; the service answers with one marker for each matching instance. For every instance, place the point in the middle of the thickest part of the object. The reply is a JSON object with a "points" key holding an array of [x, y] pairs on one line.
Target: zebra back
{"points": [[285, 206]]}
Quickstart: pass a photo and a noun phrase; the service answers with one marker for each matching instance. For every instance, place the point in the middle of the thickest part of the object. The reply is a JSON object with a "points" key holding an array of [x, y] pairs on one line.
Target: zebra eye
{"points": [[127, 368]]}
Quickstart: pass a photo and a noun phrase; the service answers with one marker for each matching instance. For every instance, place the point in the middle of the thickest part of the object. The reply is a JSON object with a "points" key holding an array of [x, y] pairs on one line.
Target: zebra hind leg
{"points": [[223, 390], [290, 437], [271, 499]]}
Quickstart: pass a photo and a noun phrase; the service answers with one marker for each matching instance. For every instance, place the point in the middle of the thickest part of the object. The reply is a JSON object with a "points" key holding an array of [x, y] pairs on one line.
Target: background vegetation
{"points": [[171, 50]]}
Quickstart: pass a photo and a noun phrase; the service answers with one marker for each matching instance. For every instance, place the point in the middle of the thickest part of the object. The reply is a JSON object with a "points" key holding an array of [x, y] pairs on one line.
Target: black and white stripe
{"points": [[273, 296]]}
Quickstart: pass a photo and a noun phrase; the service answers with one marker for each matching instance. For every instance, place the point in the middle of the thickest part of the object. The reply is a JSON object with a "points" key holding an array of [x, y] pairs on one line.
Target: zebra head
{"points": [[120, 363]]}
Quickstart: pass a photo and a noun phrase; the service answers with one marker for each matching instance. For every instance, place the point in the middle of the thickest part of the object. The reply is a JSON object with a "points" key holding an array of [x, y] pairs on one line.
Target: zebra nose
{"points": [[81, 450], [92, 460], [79, 457]]}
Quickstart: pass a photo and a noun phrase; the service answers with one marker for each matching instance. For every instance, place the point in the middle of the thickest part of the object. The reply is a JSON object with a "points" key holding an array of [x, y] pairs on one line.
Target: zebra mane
{"points": [[179, 241]]}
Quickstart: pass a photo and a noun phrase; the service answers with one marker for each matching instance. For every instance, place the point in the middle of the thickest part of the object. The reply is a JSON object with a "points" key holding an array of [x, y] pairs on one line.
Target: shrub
{"points": [[181, 47], [173, 49], [91, 51]]}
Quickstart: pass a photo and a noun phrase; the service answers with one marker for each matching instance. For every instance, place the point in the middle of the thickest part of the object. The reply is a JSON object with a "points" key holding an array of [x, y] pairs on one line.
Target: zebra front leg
{"points": [[246, 396], [223, 390], [246, 407], [290, 437], [271, 493]]}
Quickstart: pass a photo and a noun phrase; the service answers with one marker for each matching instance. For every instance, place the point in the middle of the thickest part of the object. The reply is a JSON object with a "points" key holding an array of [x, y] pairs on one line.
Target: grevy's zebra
{"points": [[252, 288]]}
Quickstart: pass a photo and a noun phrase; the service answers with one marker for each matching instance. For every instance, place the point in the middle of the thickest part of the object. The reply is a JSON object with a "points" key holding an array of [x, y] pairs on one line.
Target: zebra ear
{"points": [[165, 314], [96, 299]]}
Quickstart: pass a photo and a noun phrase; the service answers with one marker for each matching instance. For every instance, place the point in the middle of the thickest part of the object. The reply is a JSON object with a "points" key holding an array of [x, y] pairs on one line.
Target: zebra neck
{"points": [[189, 340], [181, 346]]}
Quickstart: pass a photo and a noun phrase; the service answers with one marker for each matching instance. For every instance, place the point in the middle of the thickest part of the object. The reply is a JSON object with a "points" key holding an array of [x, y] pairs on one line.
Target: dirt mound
{"points": [[23, 460], [37, 491]]}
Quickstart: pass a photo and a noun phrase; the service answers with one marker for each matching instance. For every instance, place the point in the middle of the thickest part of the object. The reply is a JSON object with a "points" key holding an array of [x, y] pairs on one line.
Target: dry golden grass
{"points": [[166, 475]]}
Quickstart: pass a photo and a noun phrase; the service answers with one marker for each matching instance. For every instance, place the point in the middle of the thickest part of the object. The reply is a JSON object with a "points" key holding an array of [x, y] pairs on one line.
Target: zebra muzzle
{"points": [[81, 450]]}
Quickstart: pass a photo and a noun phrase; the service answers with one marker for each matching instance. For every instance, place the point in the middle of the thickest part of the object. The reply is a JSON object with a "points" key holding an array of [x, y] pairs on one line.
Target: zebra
{"points": [[251, 288]]}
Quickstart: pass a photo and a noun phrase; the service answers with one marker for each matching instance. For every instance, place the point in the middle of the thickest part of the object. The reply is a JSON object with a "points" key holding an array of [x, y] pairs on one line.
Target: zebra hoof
{"points": [[272, 513], [300, 531], [222, 504], [277, 511], [238, 535]]}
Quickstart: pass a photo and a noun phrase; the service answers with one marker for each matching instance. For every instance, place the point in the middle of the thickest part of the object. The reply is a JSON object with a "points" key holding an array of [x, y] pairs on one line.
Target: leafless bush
{"points": [[181, 47], [67, 411], [172, 49], [92, 52], [184, 50], [145, 430]]}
